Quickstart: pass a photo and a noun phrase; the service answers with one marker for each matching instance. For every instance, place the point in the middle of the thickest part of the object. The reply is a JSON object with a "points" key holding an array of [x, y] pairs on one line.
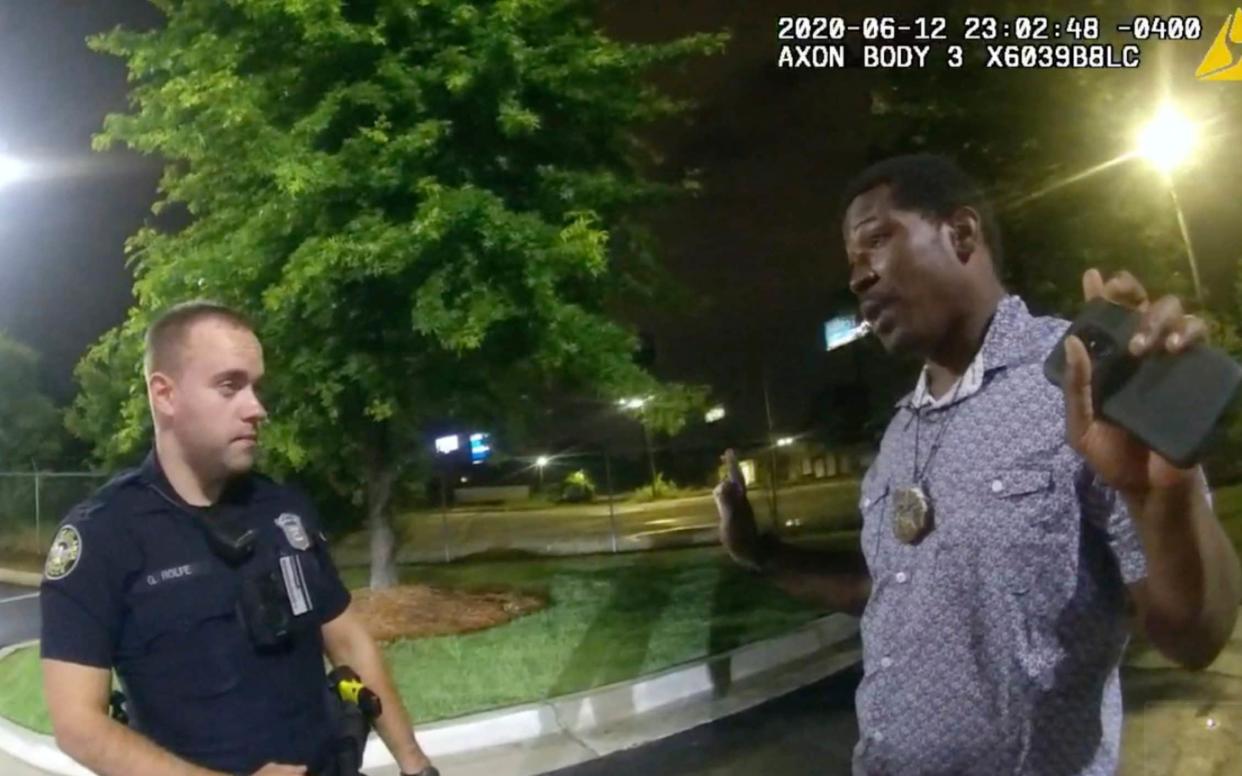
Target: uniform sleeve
{"points": [[81, 596], [334, 596]]}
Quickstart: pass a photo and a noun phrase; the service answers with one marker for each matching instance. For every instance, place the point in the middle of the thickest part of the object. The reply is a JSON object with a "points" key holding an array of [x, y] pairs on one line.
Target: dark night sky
{"points": [[762, 243], [62, 276]]}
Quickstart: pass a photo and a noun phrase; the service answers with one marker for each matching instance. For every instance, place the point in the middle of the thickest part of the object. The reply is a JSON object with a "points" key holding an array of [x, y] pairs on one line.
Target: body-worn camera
{"points": [[1170, 402], [264, 608]]}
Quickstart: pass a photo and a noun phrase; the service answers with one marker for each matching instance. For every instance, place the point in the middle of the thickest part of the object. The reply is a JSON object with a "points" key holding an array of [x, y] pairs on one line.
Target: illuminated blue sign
{"points": [[480, 447]]}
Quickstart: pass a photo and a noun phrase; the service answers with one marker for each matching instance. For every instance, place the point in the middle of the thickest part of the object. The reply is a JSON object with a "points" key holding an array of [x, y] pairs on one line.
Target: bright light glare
{"points": [[714, 414], [11, 170], [784, 442], [541, 461], [1168, 139]]}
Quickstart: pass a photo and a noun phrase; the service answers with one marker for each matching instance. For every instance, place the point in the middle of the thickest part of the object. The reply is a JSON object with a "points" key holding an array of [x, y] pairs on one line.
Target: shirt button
{"points": [[866, 503], [997, 486], [901, 577], [878, 737], [886, 663]]}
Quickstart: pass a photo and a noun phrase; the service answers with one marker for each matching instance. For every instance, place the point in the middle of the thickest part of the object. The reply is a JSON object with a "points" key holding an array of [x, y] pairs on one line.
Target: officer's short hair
{"points": [[932, 185], [166, 335]]}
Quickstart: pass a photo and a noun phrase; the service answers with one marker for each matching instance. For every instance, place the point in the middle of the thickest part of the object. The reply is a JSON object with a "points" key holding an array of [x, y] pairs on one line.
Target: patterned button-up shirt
{"points": [[992, 646]]}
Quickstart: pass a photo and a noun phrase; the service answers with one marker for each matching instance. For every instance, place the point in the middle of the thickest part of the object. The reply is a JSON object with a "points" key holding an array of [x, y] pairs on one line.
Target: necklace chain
{"points": [[918, 418]]}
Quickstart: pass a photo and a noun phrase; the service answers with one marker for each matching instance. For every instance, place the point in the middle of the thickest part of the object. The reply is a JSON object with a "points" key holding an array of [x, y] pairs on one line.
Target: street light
{"points": [[637, 403], [1167, 140], [540, 463], [1166, 143], [12, 170]]}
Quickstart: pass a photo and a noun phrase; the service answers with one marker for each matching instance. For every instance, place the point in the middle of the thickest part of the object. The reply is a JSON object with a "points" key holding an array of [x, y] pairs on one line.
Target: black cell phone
{"points": [[1171, 403]]}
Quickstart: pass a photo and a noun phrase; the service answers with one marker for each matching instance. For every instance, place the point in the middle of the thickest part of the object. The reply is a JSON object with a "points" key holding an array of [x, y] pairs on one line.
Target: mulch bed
{"points": [[419, 611]]}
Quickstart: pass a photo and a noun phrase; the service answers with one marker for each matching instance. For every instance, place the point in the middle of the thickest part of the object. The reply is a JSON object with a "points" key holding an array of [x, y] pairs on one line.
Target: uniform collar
{"points": [[1004, 345], [152, 472]]}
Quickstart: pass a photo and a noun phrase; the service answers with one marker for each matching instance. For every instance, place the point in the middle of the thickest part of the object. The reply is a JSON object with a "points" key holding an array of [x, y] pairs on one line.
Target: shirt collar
{"points": [[967, 385], [152, 472], [1004, 345]]}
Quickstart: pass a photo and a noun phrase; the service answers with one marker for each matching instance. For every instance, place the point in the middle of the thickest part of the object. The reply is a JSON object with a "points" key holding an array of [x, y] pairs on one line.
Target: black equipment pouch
{"points": [[231, 541], [228, 539]]}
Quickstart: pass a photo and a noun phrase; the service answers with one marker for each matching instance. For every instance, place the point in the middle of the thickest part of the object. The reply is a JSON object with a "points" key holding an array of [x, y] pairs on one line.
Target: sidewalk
{"points": [[1182, 722]]}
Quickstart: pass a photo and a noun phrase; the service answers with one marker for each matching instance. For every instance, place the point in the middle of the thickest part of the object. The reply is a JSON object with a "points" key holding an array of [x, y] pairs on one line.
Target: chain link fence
{"points": [[33, 503]]}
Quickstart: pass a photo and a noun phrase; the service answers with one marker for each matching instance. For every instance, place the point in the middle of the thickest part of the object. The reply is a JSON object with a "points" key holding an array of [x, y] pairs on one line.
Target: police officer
{"points": [[207, 587]]}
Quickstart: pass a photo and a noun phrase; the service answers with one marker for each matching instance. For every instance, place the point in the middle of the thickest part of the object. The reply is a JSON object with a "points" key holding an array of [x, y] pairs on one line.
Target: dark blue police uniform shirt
{"points": [[147, 596]]}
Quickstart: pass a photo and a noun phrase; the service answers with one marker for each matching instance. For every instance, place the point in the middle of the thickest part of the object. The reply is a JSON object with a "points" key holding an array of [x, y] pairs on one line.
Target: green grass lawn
{"points": [[610, 618], [21, 691]]}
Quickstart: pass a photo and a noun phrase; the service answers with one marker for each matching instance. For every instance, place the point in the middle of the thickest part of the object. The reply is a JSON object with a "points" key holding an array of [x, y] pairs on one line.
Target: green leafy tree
{"points": [[578, 486], [425, 205], [31, 430]]}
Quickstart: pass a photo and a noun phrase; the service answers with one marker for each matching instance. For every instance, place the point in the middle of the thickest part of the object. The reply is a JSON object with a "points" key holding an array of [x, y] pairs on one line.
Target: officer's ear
{"points": [[160, 388]]}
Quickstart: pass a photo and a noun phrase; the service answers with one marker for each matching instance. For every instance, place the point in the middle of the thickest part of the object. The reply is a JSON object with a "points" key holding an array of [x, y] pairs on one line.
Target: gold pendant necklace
{"points": [[912, 515]]}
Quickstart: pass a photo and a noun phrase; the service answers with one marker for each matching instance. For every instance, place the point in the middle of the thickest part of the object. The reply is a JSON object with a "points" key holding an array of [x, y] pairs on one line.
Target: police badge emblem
{"points": [[63, 557], [295, 532]]}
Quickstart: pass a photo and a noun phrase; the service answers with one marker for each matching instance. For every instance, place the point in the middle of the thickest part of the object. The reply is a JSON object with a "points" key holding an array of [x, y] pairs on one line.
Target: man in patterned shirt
{"points": [[1004, 526]]}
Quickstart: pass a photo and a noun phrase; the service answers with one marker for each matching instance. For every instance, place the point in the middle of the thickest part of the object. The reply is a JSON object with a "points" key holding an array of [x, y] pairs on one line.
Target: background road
{"points": [[19, 614], [590, 528]]}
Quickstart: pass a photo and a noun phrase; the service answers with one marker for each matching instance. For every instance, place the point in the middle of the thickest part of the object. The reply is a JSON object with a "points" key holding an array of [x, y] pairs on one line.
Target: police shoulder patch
{"points": [[63, 557]]}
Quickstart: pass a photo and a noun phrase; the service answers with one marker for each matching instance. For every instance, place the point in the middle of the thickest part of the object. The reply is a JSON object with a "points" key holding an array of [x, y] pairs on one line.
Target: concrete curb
{"points": [[583, 716], [592, 723], [32, 748], [23, 578]]}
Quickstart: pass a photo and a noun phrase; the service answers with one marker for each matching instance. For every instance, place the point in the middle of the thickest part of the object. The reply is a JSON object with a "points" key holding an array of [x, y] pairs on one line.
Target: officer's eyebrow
{"points": [[239, 375]]}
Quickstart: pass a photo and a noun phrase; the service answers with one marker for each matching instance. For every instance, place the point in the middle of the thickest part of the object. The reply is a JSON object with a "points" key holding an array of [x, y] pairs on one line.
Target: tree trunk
{"points": [[381, 475]]}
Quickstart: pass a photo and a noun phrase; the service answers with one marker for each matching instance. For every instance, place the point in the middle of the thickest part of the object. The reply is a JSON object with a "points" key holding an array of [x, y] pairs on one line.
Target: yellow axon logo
{"points": [[1222, 63]]}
